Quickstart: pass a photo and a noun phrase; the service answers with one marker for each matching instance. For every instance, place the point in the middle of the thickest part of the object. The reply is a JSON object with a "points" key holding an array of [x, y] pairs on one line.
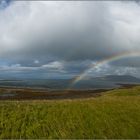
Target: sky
{"points": [[62, 39]]}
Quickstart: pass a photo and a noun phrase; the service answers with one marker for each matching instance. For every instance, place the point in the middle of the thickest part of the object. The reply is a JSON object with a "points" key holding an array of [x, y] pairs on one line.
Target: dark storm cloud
{"points": [[128, 62]]}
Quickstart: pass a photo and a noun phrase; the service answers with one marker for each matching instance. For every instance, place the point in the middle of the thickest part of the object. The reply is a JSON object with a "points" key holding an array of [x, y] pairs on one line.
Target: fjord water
{"points": [[110, 81]]}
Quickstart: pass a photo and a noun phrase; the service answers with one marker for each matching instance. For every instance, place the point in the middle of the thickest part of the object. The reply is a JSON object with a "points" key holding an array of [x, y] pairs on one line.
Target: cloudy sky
{"points": [[61, 39]]}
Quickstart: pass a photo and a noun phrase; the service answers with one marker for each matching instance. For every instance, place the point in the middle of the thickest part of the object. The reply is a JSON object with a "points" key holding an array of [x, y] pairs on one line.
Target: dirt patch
{"points": [[9, 93], [31, 94]]}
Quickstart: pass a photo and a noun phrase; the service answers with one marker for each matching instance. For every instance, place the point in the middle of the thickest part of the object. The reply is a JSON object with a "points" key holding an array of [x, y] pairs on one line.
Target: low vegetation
{"points": [[115, 114]]}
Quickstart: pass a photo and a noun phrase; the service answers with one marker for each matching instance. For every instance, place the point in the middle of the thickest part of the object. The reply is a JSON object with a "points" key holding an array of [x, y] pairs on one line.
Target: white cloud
{"points": [[23, 24], [36, 61], [54, 66]]}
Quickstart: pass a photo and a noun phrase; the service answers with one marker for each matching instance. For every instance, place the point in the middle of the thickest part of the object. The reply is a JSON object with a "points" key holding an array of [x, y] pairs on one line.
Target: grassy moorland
{"points": [[115, 114]]}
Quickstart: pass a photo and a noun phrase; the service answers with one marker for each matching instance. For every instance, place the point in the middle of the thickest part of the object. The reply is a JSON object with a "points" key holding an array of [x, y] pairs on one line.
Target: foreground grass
{"points": [[116, 114]]}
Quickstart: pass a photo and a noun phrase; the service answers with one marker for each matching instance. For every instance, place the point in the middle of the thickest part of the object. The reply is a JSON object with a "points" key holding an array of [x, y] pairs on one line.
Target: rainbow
{"points": [[105, 61]]}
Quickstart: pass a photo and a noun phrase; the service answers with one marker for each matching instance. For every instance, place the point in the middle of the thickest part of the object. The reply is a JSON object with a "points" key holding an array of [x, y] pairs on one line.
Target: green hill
{"points": [[115, 114]]}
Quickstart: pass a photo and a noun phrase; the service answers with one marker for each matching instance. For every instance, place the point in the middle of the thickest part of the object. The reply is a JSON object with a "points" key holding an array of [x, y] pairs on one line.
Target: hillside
{"points": [[122, 78], [115, 114]]}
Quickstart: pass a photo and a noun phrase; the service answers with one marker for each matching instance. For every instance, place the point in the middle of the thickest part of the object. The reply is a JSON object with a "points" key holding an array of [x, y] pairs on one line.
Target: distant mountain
{"points": [[121, 78], [108, 81]]}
